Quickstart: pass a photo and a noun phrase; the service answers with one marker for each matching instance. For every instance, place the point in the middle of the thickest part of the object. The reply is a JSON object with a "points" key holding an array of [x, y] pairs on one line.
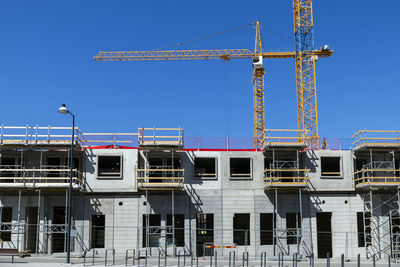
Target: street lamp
{"points": [[64, 110]]}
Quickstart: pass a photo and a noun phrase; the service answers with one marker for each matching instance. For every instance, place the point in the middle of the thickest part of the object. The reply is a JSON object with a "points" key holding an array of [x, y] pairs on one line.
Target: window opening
{"points": [[324, 234], [109, 166], [151, 233], [6, 219], [241, 229], [205, 168], [330, 166], [360, 229], [179, 231], [293, 227], [240, 167], [58, 239], [98, 230], [266, 228], [204, 233]]}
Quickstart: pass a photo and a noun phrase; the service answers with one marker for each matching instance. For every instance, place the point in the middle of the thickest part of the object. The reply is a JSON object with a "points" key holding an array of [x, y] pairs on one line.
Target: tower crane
{"points": [[305, 57]]}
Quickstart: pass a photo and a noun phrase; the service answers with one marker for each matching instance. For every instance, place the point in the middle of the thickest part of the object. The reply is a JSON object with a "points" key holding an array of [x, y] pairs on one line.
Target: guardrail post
{"points": [[145, 259], [179, 258], [215, 258], [113, 253], [105, 258], [230, 253], [93, 256], [262, 259], [295, 260], [245, 256], [184, 258], [328, 260], [358, 260], [138, 260], [159, 258], [342, 260], [373, 260], [211, 256]]}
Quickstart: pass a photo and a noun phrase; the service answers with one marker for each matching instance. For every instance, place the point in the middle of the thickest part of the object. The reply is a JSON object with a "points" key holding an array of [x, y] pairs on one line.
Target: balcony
{"points": [[160, 179], [286, 175], [377, 174], [376, 139], [47, 177]]}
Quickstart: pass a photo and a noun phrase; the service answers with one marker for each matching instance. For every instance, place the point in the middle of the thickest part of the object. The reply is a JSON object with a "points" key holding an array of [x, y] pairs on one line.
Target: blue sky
{"points": [[47, 59]]}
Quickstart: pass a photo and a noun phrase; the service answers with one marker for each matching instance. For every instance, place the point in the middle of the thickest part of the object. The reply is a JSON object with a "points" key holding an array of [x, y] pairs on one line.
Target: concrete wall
{"points": [[123, 205], [127, 183]]}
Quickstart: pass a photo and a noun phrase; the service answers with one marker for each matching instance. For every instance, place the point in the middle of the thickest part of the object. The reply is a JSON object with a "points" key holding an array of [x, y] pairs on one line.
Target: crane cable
{"points": [[279, 34], [205, 37]]}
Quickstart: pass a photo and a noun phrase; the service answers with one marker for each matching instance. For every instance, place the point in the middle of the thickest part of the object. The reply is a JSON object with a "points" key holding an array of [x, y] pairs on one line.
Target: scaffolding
{"points": [[164, 175], [284, 171], [377, 174], [19, 172]]}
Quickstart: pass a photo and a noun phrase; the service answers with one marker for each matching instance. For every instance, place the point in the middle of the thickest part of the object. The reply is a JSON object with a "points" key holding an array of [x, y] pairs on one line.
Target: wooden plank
{"points": [[286, 178], [160, 178], [285, 130], [287, 170], [160, 170], [377, 170]]}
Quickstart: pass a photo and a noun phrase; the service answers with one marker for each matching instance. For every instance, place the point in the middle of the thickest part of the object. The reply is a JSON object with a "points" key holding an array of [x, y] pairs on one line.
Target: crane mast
{"points": [[258, 91], [307, 116], [305, 57]]}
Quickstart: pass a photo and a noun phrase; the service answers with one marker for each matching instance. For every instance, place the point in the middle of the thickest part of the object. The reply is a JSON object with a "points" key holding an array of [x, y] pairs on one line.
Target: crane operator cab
{"points": [[257, 61]]}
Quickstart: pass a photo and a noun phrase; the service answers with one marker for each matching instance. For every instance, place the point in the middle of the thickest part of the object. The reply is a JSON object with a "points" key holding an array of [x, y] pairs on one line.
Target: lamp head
{"points": [[63, 109]]}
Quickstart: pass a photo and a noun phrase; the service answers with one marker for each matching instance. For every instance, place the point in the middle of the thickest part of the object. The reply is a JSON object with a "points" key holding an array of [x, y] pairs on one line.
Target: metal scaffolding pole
{"points": [[274, 220], [38, 224], [147, 221], [173, 221], [300, 232], [19, 217], [173, 206]]}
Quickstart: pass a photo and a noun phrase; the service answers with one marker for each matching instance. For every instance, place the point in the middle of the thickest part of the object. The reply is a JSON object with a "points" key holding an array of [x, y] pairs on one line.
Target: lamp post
{"points": [[64, 110]]}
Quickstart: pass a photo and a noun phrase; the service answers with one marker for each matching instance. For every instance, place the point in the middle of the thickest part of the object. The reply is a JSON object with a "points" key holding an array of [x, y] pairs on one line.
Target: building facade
{"points": [[153, 191]]}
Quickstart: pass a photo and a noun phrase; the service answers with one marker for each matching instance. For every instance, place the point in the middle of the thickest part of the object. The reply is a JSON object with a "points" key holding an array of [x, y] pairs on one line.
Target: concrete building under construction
{"points": [[159, 191]]}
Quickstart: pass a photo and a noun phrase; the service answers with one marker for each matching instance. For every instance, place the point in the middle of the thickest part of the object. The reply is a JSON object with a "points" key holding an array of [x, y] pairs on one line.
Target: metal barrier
{"points": [[245, 258], [263, 259], [127, 256], [328, 260], [232, 258], [84, 257], [113, 256]]}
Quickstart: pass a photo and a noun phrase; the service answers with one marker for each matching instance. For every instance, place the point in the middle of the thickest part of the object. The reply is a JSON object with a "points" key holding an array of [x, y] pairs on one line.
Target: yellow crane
{"points": [[305, 57]]}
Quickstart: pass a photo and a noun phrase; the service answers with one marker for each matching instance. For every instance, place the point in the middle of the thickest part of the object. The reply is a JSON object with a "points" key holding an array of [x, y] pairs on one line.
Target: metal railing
{"points": [[158, 178], [30, 135], [286, 177], [47, 176], [377, 173], [160, 136], [376, 138]]}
